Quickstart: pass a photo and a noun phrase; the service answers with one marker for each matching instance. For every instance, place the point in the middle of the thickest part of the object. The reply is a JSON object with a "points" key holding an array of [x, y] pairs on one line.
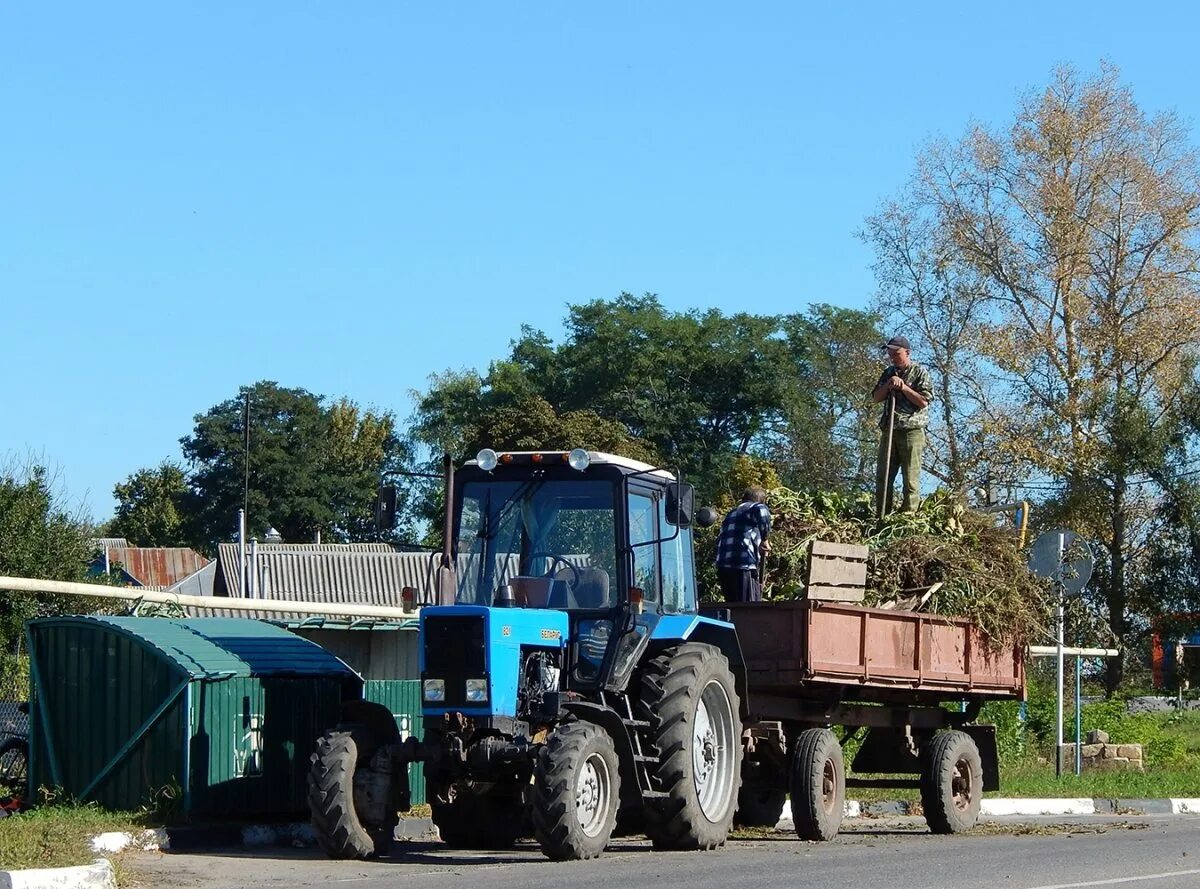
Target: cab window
{"points": [[679, 584], [643, 528]]}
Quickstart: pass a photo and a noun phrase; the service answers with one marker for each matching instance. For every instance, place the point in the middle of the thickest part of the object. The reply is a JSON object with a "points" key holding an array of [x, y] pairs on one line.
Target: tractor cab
{"points": [[604, 540]]}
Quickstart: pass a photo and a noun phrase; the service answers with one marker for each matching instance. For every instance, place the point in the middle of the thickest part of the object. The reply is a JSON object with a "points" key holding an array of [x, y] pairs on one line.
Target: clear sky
{"points": [[349, 196]]}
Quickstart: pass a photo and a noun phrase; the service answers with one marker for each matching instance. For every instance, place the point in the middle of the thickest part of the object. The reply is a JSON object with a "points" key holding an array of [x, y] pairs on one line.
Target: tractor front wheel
{"points": [[576, 792]]}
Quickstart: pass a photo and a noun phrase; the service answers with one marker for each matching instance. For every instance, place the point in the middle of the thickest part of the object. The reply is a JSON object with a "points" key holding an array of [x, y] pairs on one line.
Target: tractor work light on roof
{"points": [[487, 459], [579, 459]]}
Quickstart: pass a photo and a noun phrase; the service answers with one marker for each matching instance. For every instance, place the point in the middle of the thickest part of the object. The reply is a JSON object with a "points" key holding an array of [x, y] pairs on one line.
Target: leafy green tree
{"points": [[151, 506], [39, 538], [693, 389], [313, 467]]}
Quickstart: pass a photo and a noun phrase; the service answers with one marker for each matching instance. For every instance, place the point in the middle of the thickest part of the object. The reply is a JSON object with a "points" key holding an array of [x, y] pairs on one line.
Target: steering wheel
{"points": [[556, 560]]}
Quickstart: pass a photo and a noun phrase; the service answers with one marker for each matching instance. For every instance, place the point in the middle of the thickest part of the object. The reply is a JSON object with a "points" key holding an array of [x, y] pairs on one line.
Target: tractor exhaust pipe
{"points": [[447, 579]]}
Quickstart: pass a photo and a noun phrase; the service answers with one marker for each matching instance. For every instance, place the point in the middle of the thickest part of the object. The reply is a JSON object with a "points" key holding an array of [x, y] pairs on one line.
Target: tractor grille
{"points": [[454, 651]]}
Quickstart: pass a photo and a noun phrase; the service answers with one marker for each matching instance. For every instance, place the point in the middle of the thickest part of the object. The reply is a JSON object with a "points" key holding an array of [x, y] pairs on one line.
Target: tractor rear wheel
{"points": [[339, 769], [818, 784], [479, 821], [695, 730], [951, 782], [576, 792]]}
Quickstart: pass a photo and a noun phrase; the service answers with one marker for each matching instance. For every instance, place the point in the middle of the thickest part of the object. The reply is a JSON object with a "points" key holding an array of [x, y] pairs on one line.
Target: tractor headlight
{"points": [[477, 691], [579, 459], [435, 689]]}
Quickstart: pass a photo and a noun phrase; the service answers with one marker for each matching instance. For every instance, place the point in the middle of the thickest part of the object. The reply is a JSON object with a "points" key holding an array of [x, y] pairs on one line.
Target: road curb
{"points": [[97, 875], [1017, 806]]}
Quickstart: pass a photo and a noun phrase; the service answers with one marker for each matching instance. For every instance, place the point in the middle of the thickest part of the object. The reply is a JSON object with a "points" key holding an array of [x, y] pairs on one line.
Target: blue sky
{"points": [[350, 196]]}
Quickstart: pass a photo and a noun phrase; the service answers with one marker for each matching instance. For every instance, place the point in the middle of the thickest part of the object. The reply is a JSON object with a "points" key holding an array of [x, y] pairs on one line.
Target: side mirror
{"points": [[680, 504], [707, 516]]}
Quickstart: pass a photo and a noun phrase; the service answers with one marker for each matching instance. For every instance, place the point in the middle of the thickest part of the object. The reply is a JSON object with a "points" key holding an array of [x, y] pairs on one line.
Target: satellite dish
{"points": [[1062, 556]]}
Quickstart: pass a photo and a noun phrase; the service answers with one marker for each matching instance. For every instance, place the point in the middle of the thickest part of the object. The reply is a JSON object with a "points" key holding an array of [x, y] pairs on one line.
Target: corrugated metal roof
{"points": [[218, 646], [106, 542], [158, 566], [374, 577], [198, 584]]}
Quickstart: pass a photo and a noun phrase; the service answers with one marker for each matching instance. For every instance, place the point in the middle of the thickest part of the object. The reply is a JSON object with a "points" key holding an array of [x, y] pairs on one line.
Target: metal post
{"points": [[1078, 716], [242, 550], [1058, 710]]}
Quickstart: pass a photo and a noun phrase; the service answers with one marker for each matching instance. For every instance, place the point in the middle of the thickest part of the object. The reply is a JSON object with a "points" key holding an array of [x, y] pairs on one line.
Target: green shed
{"points": [[222, 712]]}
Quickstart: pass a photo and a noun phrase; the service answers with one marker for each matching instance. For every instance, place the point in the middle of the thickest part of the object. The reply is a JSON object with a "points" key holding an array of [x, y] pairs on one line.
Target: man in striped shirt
{"points": [[743, 541]]}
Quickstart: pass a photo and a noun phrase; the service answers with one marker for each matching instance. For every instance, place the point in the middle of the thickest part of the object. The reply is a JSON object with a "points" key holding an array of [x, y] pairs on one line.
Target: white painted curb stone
{"points": [[1080, 806], [98, 875], [146, 841], [1185, 806]]}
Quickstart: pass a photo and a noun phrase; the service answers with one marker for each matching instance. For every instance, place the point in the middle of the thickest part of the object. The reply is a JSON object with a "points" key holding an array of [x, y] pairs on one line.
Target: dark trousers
{"points": [[739, 584]]}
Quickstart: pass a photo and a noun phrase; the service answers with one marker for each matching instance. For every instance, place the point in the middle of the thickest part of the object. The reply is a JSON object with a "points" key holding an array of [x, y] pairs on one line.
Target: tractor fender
{"points": [[610, 721], [711, 630]]}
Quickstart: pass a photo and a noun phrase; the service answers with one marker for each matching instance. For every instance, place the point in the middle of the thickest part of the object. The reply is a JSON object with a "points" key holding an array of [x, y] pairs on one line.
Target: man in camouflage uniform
{"points": [[908, 384]]}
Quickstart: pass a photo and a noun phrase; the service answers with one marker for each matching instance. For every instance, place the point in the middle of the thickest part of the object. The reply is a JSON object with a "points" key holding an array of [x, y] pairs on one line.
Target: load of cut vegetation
{"points": [[979, 565]]}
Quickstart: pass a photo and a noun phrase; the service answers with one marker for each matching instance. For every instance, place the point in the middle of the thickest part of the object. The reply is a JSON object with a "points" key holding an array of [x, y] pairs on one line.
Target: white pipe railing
{"points": [[218, 603]]}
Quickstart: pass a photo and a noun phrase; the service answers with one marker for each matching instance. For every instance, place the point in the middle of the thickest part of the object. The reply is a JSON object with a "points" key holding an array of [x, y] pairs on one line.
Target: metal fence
{"points": [[14, 689]]}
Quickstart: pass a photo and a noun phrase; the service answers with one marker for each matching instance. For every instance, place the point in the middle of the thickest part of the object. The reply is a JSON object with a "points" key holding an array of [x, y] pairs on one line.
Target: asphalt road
{"points": [[1160, 853]]}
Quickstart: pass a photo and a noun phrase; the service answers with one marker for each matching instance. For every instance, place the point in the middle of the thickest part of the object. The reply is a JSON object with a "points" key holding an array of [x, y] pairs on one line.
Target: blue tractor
{"points": [[570, 687]]}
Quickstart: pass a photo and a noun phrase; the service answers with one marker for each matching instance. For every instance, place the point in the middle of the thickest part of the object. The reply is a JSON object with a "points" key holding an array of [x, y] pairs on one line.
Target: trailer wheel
{"points": [[760, 806], [951, 782], [696, 733], [479, 821], [576, 792], [818, 784], [342, 755]]}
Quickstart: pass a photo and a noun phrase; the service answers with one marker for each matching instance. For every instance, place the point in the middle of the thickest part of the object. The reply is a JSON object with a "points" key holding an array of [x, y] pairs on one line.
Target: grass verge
{"points": [[56, 836]]}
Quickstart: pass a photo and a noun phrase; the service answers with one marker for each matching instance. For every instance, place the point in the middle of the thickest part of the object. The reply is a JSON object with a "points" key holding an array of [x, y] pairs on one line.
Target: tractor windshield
{"points": [[551, 542]]}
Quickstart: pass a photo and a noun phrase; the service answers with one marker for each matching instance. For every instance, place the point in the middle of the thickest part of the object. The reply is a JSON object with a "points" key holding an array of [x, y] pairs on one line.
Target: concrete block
{"points": [[1097, 736], [98, 875], [1018, 806], [1091, 751], [1130, 751]]}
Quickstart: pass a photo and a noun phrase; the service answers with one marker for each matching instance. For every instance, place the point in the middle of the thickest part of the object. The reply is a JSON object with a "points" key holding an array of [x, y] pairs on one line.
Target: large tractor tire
{"points": [[576, 792], [818, 785], [479, 821], [759, 806], [689, 697], [342, 756], [951, 782]]}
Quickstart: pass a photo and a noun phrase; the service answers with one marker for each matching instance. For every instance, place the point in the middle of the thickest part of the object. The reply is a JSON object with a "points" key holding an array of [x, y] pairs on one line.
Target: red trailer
{"points": [[880, 675]]}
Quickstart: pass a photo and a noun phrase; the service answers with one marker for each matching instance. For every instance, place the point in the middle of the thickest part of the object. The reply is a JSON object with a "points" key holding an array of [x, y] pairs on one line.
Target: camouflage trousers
{"points": [[907, 445]]}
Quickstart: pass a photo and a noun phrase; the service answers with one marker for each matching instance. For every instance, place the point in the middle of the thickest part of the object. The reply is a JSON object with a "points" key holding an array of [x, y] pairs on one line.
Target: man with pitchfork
{"points": [[906, 388]]}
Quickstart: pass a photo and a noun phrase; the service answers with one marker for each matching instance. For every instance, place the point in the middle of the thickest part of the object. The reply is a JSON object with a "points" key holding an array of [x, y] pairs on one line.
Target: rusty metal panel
{"points": [[158, 566], [798, 647]]}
